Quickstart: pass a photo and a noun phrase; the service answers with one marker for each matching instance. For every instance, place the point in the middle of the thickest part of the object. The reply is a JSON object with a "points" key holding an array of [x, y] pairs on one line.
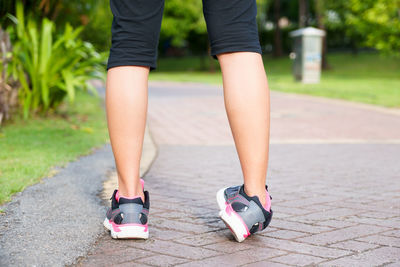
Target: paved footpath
{"points": [[334, 177]]}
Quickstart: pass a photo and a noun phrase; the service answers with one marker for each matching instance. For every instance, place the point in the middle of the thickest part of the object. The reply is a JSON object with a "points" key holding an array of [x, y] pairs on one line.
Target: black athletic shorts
{"points": [[231, 26]]}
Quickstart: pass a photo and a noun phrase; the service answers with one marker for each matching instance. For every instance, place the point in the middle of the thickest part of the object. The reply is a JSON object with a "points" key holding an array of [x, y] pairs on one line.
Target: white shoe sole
{"points": [[107, 224], [127, 232], [232, 221]]}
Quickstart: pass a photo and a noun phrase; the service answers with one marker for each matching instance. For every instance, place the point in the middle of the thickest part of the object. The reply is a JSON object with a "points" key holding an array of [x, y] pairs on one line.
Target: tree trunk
{"points": [[278, 51], [302, 13], [319, 9], [8, 86]]}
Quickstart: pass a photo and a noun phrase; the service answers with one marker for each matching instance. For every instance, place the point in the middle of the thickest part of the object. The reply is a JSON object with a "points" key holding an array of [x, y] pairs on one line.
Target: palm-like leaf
{"points": [[50, 66]]}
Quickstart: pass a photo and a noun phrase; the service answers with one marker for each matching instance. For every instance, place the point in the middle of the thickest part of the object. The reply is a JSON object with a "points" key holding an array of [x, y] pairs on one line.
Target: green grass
{"points": [[367, 78], [29, 149]]}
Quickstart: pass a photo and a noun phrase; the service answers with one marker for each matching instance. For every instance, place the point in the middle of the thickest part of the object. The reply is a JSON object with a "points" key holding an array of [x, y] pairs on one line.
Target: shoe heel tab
{"points": [[266, 188], [136, 200], [114, 194], [146, 203]]}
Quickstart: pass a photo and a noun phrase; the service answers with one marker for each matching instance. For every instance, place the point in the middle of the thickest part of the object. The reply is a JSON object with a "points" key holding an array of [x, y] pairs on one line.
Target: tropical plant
{"points": [[50, 67]]}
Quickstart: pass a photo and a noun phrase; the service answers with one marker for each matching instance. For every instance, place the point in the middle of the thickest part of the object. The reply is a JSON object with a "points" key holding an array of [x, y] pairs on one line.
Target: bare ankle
{"points": [[130, 194], [261, 194], [131, 191]]}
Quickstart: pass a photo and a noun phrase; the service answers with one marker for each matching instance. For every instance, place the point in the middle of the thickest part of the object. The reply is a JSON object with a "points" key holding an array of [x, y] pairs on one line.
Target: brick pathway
{"points": [[334, 177]]}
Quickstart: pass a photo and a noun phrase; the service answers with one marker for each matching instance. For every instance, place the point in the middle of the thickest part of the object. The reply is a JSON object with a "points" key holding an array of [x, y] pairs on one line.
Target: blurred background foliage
{"points": [[351, 25], [41, 36], [94, 15]]}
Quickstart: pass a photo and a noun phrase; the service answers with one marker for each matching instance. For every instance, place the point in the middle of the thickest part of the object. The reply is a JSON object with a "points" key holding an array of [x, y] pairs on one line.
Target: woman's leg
{"points": [[126, 105], [246, 97]]}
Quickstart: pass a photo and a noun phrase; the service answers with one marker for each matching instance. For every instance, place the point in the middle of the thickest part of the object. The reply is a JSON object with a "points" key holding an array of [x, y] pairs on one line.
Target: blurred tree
{"points": [[302, 13], [95, 15], [336, 13], [97, 23], [42, 8], [320, 16], [349, 23], [6, 6], [368, 23], [378, 21], [180, 18], [285, 17], [278, 51], [263, 7]]}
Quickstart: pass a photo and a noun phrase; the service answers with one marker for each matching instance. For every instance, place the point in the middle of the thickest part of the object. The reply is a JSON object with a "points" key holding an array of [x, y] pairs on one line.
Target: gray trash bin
{"points": [[307, 50]]}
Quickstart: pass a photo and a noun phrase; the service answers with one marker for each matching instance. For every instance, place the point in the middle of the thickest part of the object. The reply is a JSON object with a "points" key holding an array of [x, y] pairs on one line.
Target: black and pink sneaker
{"points": [[242, 214], [127, 217]]}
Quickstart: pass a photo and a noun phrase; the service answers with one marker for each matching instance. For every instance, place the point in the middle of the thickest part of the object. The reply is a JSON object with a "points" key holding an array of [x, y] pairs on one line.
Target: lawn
{"points": [[29, 149], [368, 78]]}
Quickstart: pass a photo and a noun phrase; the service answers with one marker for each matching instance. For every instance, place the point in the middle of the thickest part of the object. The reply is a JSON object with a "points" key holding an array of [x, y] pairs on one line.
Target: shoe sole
{"points": [[107, 224], [126, 232], [232, 220]]}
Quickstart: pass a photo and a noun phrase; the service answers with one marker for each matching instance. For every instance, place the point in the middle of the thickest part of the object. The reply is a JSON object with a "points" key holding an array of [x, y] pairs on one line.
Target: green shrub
{"points": [[50, 67]]}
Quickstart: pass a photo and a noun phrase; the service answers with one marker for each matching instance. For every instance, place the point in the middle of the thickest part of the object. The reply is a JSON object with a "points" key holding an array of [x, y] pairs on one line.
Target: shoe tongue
{"points": [[137, 200]]}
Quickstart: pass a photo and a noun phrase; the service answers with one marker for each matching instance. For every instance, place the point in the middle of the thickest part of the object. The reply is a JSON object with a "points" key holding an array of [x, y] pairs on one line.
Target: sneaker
{"points": [[127, 217], [242, 214]]}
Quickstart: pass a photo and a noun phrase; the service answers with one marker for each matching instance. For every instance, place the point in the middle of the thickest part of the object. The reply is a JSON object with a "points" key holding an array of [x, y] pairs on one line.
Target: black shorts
{"points": [[231, 26]]}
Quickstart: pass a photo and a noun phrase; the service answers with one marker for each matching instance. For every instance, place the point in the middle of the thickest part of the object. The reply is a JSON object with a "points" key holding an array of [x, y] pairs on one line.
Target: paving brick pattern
{"points": [[336, 203]]}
